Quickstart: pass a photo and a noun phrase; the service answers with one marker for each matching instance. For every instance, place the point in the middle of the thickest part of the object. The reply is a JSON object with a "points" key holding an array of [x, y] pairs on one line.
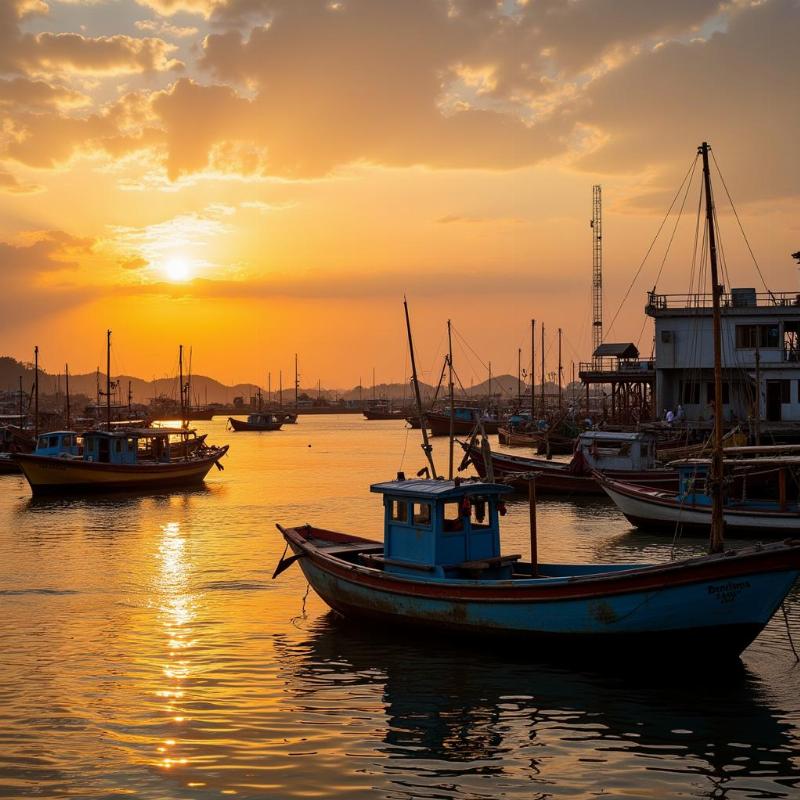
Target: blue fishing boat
{"points": [[440, 567]]}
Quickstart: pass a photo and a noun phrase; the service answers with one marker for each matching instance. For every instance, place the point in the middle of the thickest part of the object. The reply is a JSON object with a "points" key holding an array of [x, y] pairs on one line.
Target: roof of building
{"points": [[618, 350], [438, 489]]}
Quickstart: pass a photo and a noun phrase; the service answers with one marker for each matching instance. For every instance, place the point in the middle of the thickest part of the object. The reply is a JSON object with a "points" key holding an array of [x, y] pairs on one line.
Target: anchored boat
{"points": [[259, 421], [440, 567], [116, 460]]}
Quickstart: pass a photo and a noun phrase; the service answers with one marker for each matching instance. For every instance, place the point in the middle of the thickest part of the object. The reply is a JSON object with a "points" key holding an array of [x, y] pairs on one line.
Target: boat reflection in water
{"points": [[494, 726]]}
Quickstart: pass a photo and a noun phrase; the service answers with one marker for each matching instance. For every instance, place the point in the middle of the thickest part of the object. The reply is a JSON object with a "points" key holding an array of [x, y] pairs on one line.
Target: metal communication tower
{"points": [[597, 269]]}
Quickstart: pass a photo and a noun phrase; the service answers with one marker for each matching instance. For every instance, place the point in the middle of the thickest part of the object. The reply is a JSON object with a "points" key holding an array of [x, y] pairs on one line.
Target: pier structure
{"points": [[760, 335], [629, 378]]}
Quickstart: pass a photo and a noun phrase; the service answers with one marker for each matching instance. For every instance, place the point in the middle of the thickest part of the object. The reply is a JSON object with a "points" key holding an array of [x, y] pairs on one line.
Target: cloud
{"points": [[41, 252], [133, 262], [165, 28], [10, 184], [739, 90], [24, 93], [169, 7]]}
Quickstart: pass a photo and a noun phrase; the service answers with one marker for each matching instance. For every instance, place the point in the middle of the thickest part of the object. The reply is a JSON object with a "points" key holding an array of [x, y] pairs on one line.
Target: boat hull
{"points": [[439, 425], [716, 604], [48, 475], [556, 479], [649, 510], [242, 425]]}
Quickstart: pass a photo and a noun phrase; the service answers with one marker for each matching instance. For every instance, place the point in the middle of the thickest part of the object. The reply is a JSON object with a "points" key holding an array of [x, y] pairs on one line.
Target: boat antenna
{"points": [[427, 448], [108, 379], [533, 363], [180, 379], [716, 541]]}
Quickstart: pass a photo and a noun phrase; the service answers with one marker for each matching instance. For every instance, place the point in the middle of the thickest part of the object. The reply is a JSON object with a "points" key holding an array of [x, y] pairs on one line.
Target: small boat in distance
{"points": [[116, 460], [259, 421]]}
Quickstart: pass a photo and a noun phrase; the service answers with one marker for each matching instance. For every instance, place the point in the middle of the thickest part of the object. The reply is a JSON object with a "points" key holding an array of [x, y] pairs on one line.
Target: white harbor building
{"points": [[760, 348]]}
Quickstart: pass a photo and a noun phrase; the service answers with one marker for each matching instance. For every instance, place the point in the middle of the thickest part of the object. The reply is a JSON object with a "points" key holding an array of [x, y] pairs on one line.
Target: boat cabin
{"points": [[57, 443], [130, 446], [612, 450], [261, 418], [443, 528]]}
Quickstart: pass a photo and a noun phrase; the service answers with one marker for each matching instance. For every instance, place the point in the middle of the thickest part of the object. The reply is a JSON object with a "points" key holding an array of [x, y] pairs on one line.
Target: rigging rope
{"points": [[652, 244]]}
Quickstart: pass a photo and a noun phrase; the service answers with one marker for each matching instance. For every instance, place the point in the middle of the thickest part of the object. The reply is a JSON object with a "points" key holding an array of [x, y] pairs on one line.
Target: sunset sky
{"points": [[259, 177]]}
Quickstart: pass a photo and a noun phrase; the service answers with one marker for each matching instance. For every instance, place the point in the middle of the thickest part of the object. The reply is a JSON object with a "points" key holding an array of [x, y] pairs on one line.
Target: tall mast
{"points": [[426, 446], [66, 386], [296, 382], [97, 403], [36, 392], [597, 270], [533, 361], [519, 378], [130, 400], [20, 401], [452, 401], [180, 378], [560, 371], [543, 409], [108, 379], [716, 543], [280, 389]]}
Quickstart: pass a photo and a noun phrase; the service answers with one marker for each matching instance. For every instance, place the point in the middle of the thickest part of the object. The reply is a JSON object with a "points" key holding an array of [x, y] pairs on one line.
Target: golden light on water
{"points": [[176, 608]]}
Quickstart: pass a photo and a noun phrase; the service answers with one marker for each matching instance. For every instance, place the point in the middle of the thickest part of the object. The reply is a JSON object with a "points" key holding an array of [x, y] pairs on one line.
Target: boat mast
{"points": [[716, 544], [560, 371], [426, 446], [533, 361], [130, 401], [280, 388], [36, 392], [519, 379], [452, 401], [296, 382], [108, 379], [543, 409], [490, 385], [20, 401], [180, 377], [66, 381]]}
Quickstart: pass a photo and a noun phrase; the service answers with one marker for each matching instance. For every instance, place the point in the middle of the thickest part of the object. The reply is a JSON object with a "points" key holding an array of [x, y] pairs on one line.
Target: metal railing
{"points": [[618, 365], [661, 302]]}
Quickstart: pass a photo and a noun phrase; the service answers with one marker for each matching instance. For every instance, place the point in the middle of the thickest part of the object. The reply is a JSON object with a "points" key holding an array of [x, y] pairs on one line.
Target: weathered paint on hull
{"points": [[55, 475], [718, 616], [666, 516]]}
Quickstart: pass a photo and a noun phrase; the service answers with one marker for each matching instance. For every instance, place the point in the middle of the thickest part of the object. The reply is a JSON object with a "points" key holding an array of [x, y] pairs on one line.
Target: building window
{"points": [[791, 341], [752, 336], [726, 392], [690, 393], [786, 391]]}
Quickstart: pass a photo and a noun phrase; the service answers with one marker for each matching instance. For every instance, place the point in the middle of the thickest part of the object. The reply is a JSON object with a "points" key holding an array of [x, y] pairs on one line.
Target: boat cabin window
{"points": [[480, 513], [422, 513], [118, 445], [399, 510], [452, 517]]}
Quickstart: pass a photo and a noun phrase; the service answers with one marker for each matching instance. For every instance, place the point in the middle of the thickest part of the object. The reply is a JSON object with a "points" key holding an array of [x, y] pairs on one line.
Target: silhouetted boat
{"points": [[259, 421], [465, 421]]}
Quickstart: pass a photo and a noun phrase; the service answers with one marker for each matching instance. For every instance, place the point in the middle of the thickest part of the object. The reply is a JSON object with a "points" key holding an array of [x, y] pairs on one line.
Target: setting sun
{"points": [[178, 269]]}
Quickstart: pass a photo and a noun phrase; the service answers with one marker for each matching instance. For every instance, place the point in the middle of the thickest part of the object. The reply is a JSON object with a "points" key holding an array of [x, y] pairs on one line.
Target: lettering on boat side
{"points": [[728, 592]]}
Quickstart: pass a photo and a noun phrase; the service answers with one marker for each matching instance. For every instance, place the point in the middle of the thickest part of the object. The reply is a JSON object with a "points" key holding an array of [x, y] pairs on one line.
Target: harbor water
{"points": [[147, 653]]}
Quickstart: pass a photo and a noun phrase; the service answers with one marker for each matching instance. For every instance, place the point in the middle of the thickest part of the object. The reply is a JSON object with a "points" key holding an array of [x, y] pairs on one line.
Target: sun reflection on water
{"points": [[177, 611]]}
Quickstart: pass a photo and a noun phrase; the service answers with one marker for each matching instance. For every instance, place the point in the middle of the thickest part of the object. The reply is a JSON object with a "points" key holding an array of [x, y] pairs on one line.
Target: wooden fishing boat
{"points": [[465, 421], [440, 567], [140, 459], [259, 421], [626, 456], [690, 507]]}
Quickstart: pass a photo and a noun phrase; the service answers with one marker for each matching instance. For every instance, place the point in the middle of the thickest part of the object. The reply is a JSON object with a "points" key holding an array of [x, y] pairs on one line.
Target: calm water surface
{"points": [[146, 653]]}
